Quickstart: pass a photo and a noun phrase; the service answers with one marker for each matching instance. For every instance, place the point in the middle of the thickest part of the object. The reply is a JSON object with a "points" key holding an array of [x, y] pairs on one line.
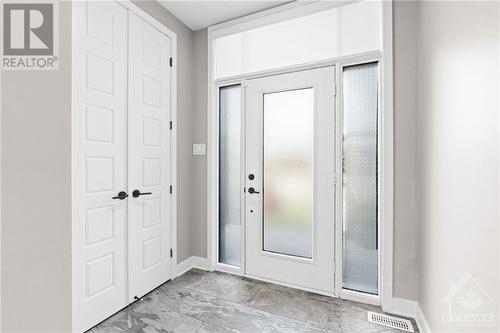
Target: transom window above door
{"points": [[340, 31]]}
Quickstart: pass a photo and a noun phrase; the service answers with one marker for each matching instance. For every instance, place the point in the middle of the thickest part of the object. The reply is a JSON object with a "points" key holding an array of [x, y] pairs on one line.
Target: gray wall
{"points": [[405, 104], [36, 182], [36, 194], [187, 165], [199, 127], [458, 154]]}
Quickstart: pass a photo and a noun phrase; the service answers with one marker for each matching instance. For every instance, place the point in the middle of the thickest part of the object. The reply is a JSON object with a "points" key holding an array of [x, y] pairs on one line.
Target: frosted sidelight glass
{"points": [[360, 241], [229, 175], [288, 172]]}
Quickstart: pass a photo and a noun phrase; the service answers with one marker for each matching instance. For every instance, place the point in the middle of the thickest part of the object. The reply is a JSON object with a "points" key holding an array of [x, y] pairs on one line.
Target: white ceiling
{"points": [[201, 14]]}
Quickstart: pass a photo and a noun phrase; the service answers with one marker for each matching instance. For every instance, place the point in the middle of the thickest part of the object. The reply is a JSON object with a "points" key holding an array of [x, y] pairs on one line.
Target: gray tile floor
{"points": [[211, 302]]}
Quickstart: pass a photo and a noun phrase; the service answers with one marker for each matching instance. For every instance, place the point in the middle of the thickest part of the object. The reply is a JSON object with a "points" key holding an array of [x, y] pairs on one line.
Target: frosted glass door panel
{"points": [[288, 172], [360, 241], [341, 31], [289, 131], [229, 175]]}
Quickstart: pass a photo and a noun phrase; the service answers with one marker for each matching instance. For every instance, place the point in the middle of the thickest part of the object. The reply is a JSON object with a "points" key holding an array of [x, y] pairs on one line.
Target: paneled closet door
{"points": [[149, 157], [99, 116]]}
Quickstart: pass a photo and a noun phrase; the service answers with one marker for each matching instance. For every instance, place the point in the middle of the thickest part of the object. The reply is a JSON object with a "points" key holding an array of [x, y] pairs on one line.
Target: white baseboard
{"points": [[189, 263], [404, 307], [422, 323], [411, 309]]}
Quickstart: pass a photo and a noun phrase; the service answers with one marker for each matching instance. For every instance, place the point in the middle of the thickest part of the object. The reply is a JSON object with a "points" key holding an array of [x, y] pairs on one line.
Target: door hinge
{"points": [[171, 125], [170, 189], [334, 268], [171, 253], [334, 89], [171, 61]]}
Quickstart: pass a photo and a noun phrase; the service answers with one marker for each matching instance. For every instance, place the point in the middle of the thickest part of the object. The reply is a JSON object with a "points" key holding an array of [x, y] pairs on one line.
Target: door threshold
{"points": [[237, 271]]}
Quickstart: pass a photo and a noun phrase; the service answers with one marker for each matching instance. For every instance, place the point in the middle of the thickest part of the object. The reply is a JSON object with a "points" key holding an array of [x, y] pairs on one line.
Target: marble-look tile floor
{"points": [[209, 302]]}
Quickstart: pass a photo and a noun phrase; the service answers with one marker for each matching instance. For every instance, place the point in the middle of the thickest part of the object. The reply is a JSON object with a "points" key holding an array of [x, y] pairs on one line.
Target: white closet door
{"points": [[99, 116], [149, 157]]}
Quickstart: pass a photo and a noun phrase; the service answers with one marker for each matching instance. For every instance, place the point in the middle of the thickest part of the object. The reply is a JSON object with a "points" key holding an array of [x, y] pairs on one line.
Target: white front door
{"points": [[149, 158], [99, 153], [290, 175]]}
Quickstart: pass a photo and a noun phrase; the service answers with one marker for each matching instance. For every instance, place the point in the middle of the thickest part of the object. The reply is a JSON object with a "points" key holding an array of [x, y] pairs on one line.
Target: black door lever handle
{"points": [[251, 190], [138, 193], [122, 195]]}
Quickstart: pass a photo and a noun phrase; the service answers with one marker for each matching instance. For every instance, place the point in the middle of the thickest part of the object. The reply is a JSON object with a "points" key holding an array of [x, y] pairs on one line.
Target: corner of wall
{"points": [[190, 263], [422, 323]]}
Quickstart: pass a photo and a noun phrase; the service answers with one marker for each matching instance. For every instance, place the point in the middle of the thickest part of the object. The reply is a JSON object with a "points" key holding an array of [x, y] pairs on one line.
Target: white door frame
{"points": [[288, 11], [129, 5]]}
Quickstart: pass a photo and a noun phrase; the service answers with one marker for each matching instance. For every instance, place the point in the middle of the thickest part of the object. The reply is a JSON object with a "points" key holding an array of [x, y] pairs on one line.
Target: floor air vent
{"points": [[390, 321]]}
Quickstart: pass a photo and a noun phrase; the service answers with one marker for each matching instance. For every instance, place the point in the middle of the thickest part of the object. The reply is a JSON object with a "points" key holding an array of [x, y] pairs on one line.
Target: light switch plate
{"points": [[199, 149]]}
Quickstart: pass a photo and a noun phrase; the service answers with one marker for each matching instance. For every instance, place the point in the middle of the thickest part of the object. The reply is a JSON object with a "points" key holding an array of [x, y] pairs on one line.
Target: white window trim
{"points": [[339, 111], [283, 13]]}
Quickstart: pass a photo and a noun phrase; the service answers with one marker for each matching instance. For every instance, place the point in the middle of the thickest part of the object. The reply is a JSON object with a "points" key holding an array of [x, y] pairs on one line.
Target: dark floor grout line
{"points": [[201, 325], [267, 322]]}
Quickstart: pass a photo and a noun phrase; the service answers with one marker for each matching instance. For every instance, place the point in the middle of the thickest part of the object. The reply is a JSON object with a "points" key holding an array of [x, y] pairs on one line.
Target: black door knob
{"points": [[251, 190], [138, 193], [122, 195]]}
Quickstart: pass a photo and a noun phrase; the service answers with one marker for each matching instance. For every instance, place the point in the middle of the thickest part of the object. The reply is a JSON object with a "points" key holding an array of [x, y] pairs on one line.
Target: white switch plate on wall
{"points": [[199, 149]]}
